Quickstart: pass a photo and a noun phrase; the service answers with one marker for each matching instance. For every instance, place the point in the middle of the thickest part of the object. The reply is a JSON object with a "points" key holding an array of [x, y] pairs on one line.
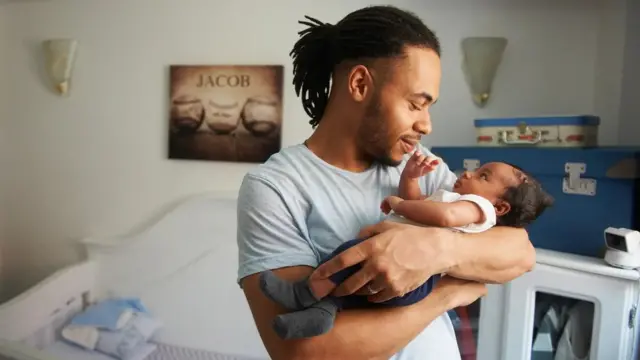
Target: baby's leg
{"points": [[298, 295], [313, 321], [290, 295], [342, 275], [414, 296]]}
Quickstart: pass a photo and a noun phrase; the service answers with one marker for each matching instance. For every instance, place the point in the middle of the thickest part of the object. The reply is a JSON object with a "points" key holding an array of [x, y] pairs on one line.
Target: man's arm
{"points": [[497, 255], [356, 334]]}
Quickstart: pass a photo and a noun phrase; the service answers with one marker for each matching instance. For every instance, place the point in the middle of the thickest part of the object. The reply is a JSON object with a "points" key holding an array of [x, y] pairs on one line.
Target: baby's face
{"points": [[490, 181]]}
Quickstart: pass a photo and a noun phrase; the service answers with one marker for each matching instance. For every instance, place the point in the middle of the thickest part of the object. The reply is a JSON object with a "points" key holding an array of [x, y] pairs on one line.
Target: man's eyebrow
{"points": [[426, 96]]}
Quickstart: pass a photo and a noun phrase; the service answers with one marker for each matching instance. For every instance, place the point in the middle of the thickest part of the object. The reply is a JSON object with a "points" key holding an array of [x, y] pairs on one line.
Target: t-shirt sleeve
{"points": [[487, 209], [440, 178], [267, 233]]}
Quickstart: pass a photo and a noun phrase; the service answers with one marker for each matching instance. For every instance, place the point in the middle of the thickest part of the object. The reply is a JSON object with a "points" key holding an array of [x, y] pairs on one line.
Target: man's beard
{"points": [[373, 136]]}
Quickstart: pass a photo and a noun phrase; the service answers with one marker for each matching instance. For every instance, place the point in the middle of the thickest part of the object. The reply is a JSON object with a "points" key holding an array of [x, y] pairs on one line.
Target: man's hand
{"points": [[396, 259], [418, 165]]}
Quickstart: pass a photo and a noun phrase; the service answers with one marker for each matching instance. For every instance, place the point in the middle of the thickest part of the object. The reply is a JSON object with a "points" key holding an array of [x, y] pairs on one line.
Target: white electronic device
{"points": [[623, 248]]}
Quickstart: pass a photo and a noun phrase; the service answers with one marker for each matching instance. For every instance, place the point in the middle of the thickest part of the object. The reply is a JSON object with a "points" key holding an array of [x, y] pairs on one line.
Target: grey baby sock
{"points": [[290, 295], [313, 321]]}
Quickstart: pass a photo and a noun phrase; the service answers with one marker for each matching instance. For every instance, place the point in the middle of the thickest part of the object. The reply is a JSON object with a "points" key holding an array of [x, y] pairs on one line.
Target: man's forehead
{"points": [[421, 70]]}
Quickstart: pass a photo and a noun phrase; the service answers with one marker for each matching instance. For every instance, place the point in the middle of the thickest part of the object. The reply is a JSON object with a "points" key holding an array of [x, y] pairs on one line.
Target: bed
{"points": [[182, 265]]}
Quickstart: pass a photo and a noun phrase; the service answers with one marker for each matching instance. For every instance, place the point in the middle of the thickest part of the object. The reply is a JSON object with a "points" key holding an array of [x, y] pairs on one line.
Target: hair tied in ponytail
{"points": [[314, 56], [326, 32], [313, 23]]}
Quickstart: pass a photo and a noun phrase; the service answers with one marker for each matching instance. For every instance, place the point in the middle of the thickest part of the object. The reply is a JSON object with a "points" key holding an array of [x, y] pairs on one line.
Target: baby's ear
{"points": [[502, 207]]}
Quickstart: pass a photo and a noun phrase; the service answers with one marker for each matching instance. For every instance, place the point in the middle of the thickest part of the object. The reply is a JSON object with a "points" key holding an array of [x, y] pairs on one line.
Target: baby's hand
{"points": [[389, 203], [419, 165]]}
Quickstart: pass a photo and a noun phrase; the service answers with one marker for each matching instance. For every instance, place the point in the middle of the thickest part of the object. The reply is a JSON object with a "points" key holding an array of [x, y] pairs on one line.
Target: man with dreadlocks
{"points": [[368, 83]]}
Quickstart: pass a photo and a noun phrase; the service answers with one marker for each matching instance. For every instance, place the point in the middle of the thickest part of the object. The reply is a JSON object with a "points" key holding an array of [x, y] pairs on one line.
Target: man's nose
{"points": [[423, 125], [466, 174]]}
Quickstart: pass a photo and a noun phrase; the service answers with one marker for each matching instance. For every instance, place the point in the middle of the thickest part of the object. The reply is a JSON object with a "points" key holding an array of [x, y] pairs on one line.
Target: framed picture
{"points": [[225, 112]]}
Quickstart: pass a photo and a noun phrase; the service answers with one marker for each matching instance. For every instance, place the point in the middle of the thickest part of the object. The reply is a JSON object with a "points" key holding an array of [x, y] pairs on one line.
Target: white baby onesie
{"points": [[442, 195]]}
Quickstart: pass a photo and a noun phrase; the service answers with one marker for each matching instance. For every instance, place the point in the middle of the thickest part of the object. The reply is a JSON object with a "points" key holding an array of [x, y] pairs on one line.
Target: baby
{"points": [[495, 194]]}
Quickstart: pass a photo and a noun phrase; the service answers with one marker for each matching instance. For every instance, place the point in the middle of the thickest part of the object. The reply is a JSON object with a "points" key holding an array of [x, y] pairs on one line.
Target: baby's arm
{"points": [[435, 213], [417, 166], [409, 188]]}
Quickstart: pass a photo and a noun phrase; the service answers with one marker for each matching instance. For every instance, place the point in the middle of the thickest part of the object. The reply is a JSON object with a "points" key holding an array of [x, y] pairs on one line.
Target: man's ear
{"points": [[502, 207], [360, 83]]}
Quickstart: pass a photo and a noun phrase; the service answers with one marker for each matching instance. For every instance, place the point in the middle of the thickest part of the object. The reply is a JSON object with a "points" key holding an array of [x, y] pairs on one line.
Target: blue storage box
{"points": [[594, 188], [543, 131]]}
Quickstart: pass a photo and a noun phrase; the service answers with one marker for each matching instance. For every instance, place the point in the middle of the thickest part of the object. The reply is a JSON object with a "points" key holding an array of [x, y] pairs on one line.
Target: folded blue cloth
{"points": [[107, 314]]}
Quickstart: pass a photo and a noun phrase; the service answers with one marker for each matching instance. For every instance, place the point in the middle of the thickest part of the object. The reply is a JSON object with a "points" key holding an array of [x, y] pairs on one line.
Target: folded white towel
{"points": [[87, 336], [84, 336]]}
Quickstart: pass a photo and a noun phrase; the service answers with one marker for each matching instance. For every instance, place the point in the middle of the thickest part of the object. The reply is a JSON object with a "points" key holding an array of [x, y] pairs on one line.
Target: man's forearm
{"points": [[498, 255], [356, 334], [374, 333]]}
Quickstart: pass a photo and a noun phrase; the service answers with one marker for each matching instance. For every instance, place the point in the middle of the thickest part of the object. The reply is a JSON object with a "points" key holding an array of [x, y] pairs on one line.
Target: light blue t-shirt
{"points": [[295, 209]]}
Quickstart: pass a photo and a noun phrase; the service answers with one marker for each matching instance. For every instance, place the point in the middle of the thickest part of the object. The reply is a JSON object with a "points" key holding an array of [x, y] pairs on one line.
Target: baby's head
{"points": [[517, 197]]}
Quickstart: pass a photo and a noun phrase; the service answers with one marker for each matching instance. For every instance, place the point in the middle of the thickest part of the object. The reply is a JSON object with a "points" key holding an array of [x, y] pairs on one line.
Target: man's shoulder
{"points": [[281, 174], [283, 164]]}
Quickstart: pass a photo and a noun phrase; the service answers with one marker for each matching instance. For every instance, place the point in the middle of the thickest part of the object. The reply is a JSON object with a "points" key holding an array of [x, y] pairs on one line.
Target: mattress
{"points": [[63, 351], [171, 352]]}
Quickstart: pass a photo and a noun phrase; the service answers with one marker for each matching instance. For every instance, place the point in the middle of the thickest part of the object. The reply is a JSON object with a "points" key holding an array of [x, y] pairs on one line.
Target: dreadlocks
{"points": [[369, 33]]}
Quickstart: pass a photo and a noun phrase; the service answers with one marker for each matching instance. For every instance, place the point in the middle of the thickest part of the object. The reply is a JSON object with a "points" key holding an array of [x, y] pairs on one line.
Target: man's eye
{"points": [[413, 107], [483, 176]]}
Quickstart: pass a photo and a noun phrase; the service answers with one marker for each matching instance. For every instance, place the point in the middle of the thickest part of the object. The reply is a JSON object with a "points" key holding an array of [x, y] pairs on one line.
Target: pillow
{"points": [[109, 314], [127, 343]]}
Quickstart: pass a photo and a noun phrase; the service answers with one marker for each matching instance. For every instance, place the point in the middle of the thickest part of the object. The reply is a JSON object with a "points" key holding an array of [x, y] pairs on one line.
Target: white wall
{"points": [[4, 86], [95, 162], [609, 64], [629, 108], [617, 73]]}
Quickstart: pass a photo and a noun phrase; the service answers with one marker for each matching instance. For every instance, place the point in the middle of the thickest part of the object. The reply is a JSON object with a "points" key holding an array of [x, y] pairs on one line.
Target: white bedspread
{"points": [[202, 308], [63, 351], [168, 352], [184, 271]]}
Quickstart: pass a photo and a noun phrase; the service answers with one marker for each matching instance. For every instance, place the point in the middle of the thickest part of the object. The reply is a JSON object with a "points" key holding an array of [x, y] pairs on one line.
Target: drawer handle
{"points": [[535, 138]]}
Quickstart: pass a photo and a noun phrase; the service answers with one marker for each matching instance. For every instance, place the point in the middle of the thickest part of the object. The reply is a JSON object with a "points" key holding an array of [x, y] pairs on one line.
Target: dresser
{"points": [[568, 307]]}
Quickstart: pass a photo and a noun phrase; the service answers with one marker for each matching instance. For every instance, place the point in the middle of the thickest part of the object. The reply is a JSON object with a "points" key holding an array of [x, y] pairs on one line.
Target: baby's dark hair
{"points": [[528, 200], [369, 33]]}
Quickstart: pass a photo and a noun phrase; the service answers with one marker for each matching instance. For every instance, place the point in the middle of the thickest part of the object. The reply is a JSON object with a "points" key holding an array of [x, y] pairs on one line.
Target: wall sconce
{"points": [[59, 59], [481, 58]]}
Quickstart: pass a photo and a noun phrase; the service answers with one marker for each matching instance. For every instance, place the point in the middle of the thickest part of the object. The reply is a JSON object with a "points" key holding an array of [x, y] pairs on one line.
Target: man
{"points": [[383, 65]]}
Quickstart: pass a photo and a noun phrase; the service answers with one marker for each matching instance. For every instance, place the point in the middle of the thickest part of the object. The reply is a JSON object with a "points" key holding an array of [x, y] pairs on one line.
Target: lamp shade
{"points": [[59, 60], [481, 58]]}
